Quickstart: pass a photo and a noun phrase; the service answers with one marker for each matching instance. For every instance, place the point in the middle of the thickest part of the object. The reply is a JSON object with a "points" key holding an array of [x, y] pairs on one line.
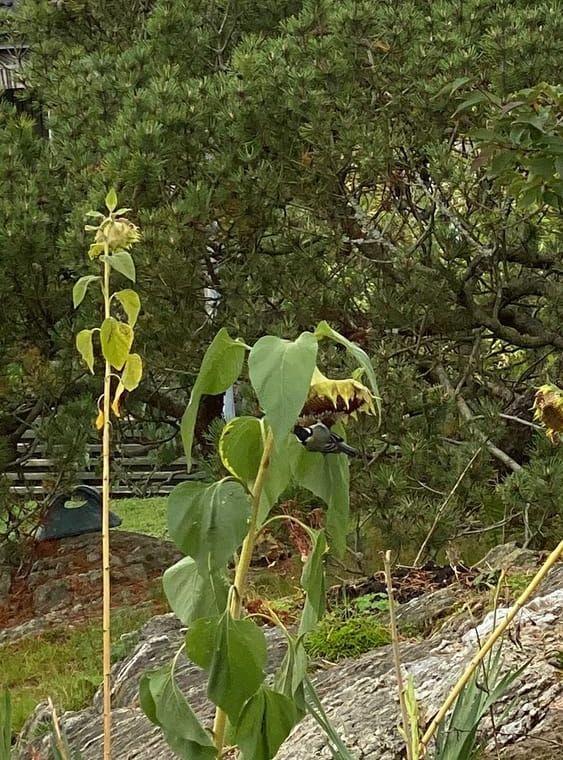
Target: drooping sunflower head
{"points": [[332, 400], [117, 234], [548, 406]]}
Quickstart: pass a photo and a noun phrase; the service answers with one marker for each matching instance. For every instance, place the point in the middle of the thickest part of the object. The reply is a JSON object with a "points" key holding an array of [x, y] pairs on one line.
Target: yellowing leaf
{"points": [[131, 303], [123, 263], [115, 404], [85, 347], [240, 448], [116, 338], [96, 249], [80, 288], [132, 373], [99, 420]]}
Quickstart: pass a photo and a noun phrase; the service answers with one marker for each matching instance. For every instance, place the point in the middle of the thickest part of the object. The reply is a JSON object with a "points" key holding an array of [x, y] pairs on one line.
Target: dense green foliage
{"points": [[311, 160]]}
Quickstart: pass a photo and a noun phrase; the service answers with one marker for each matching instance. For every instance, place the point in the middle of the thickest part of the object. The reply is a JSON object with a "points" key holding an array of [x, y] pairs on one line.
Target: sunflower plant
{"points": [[114, 235], [548, 409], [217, 523]]}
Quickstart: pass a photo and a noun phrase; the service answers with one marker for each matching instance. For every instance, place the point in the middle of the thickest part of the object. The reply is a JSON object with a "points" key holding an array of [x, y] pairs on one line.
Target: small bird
{"points": [[320, 438]]}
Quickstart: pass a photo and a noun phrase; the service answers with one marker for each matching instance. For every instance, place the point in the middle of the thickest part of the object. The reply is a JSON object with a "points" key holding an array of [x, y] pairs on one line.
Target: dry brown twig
{"points": [[396, 653]]}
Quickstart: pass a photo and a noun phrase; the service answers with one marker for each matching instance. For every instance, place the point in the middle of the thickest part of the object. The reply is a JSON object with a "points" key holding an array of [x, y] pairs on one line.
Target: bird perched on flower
{"points": [[330, 401], [321, 439]]}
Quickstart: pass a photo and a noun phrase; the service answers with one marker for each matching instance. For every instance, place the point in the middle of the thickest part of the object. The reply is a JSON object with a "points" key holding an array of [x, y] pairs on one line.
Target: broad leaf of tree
{"points": [[208, 522], [116, 338], [132, 372], [85, 347], [280, 371], [314, 584], [164, 704], [324, 330], [237, 668], [131, 303], [277, 478], [122, 262], [80, 288], [192, 595], [219, 369], [240, 448], [200, 641], [265, 722], [291, 673], [328, 477]]}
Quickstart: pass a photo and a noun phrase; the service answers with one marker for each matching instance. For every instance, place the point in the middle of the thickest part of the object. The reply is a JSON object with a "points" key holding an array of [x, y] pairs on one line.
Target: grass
{"points": [[517, 582], [63, 664], [334, 638], [351, 629], [138, 515], [142, 515]]}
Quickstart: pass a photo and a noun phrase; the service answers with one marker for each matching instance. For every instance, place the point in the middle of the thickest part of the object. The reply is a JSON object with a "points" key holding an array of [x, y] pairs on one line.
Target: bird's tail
{"points": [[349, 450]]}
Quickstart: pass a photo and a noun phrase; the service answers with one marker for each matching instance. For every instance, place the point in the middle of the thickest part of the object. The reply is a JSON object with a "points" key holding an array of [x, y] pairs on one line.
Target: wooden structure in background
{"points": [[135, 472]]}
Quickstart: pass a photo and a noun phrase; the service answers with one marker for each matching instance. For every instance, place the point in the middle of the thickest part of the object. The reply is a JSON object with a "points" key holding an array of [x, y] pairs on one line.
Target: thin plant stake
{"points": [[491, 641], [114, 235], [396, 654], [106, 577]]}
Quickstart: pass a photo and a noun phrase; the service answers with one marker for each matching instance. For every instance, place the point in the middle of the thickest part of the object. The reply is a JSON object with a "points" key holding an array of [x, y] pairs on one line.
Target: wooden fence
{"points": [[134, 472]]}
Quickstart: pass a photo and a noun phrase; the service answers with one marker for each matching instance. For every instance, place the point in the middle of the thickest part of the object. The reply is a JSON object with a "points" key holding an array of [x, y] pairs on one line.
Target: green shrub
{"points": [[517, 582], [335, 637]]}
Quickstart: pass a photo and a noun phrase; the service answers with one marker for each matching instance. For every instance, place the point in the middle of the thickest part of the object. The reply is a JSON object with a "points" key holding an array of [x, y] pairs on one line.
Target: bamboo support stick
{"points": [[106, 645], [491, 641]]}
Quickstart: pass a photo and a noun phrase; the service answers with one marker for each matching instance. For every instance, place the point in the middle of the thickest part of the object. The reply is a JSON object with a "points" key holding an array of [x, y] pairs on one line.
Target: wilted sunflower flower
{"points": [[337, 399], [548, 405], [117, 234]]}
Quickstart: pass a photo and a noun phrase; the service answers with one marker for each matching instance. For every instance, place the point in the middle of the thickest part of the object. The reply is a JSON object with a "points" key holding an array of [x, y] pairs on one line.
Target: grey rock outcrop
{"points": [[506, 556], [360, 695]]}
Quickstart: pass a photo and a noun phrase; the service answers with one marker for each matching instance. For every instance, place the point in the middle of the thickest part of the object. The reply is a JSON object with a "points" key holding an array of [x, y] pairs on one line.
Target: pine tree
{"points": [[306, 160]]}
